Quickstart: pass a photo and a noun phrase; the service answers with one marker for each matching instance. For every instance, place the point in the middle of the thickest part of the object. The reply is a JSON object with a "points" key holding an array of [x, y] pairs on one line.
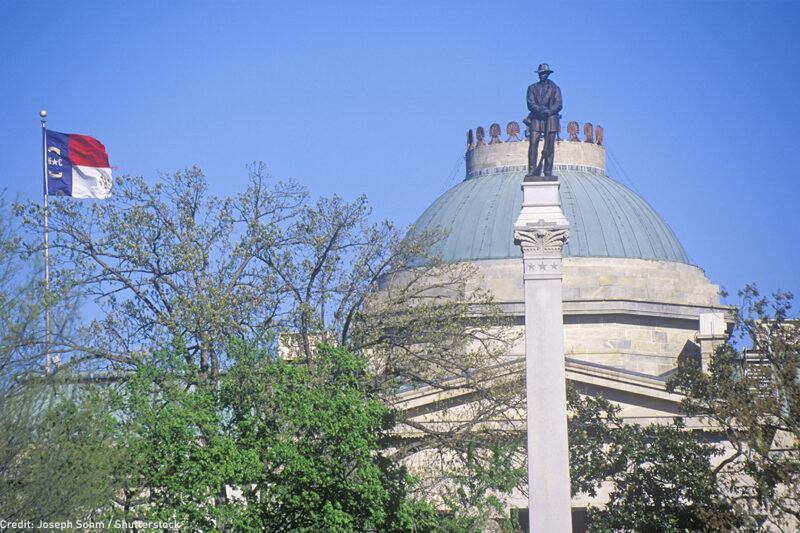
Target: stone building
{"points": [[633, 304]]}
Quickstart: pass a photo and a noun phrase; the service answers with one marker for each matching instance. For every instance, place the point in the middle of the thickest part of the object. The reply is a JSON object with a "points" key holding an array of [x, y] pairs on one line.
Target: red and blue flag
{"points": [[77, 166]]}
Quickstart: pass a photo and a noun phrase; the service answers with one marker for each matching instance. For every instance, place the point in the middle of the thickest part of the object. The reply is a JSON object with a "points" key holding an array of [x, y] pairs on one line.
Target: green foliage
{"points": [[178, 460], [23, 304], [666, 478], [169, 260], [666, 485], [474, 498], [57, 453], [661, 475], [753, 397], [597, 441], [55, 461], [275, 446]]}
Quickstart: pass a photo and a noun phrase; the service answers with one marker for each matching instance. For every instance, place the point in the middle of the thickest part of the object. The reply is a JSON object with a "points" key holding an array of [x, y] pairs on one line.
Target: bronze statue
{"points": [[544, 103]]}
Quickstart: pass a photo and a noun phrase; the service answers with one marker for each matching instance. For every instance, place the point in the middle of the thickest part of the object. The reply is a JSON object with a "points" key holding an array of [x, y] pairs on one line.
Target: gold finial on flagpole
{"points": [[43, 113]]}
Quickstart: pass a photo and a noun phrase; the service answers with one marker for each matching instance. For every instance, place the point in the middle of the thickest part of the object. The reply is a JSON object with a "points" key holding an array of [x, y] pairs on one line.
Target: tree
{"points": [[54, 457], [666, 485], [171, 260], [595, 433], [661, 476], [741, 473], [57, 452], [23, 306], [474, 496], [276, 446], [752, 397]]}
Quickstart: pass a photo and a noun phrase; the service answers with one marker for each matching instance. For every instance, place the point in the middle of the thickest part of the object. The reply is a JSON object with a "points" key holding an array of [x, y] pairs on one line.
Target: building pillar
{"points": [[542, 230], [713, 332]]}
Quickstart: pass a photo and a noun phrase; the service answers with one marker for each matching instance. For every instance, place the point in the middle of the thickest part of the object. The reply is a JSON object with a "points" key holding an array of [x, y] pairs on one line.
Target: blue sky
{"points": [[699, 100]]}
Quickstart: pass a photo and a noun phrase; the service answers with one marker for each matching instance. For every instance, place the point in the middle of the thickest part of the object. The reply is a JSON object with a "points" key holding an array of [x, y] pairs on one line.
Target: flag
{"points": [[77, 166]]}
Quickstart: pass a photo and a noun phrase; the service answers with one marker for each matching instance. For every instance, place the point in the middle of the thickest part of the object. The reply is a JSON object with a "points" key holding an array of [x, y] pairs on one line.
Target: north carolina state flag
{"points": [[77, 166]]}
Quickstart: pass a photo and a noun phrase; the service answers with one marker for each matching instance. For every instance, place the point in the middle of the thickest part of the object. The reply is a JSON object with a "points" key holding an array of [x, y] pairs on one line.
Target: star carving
{"points": [[542, 266]]}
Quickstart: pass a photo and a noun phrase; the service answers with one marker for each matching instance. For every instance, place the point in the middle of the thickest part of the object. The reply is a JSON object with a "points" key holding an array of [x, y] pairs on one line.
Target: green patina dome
{"points": [[606, 218]]}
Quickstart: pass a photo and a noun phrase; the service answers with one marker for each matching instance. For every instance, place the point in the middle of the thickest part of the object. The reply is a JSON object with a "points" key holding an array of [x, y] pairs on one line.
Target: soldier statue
{"points": [[544, 103]]}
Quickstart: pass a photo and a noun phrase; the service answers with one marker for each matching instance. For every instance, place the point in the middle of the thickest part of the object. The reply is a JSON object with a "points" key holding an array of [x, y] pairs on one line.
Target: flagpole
{"points": [[43, 114]]}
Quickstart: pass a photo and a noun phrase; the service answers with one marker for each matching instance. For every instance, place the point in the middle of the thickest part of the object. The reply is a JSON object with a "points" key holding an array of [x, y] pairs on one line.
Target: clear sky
{"points": [[699, 100]]}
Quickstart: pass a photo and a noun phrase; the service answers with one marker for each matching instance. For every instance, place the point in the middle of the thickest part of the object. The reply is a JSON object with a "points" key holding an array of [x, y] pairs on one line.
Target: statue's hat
{"points": [[544, 67]]}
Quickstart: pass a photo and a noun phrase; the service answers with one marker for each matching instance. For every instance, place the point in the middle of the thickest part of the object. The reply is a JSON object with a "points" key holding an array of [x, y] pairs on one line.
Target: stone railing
{"points": [[592, 134]]}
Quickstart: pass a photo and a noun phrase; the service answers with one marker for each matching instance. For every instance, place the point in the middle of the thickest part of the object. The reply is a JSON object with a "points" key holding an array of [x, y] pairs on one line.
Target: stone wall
{"points": [[609, 278], [635, 314], [516, 154]]}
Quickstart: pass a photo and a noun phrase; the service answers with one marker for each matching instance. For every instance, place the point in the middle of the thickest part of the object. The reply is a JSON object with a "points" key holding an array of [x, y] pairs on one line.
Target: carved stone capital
{"points": [[541, 239]]}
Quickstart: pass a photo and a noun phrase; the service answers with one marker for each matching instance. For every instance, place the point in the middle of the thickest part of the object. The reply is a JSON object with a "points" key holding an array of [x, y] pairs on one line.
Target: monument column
{"points": [[542, 230]]}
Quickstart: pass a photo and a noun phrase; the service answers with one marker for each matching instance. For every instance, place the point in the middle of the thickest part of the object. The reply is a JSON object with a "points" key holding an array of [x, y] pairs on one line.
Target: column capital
{"points": [[541, 249], [541, 238]]}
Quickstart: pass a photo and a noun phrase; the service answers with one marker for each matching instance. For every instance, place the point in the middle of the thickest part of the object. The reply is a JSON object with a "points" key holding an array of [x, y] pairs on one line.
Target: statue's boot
{"points": [[534, 169], [548, 155], [548, 166]]}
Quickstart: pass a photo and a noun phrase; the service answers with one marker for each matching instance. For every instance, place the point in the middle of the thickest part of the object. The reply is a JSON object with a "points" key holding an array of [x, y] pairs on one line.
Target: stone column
{"points": [[542, 229], [712, 333]]}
